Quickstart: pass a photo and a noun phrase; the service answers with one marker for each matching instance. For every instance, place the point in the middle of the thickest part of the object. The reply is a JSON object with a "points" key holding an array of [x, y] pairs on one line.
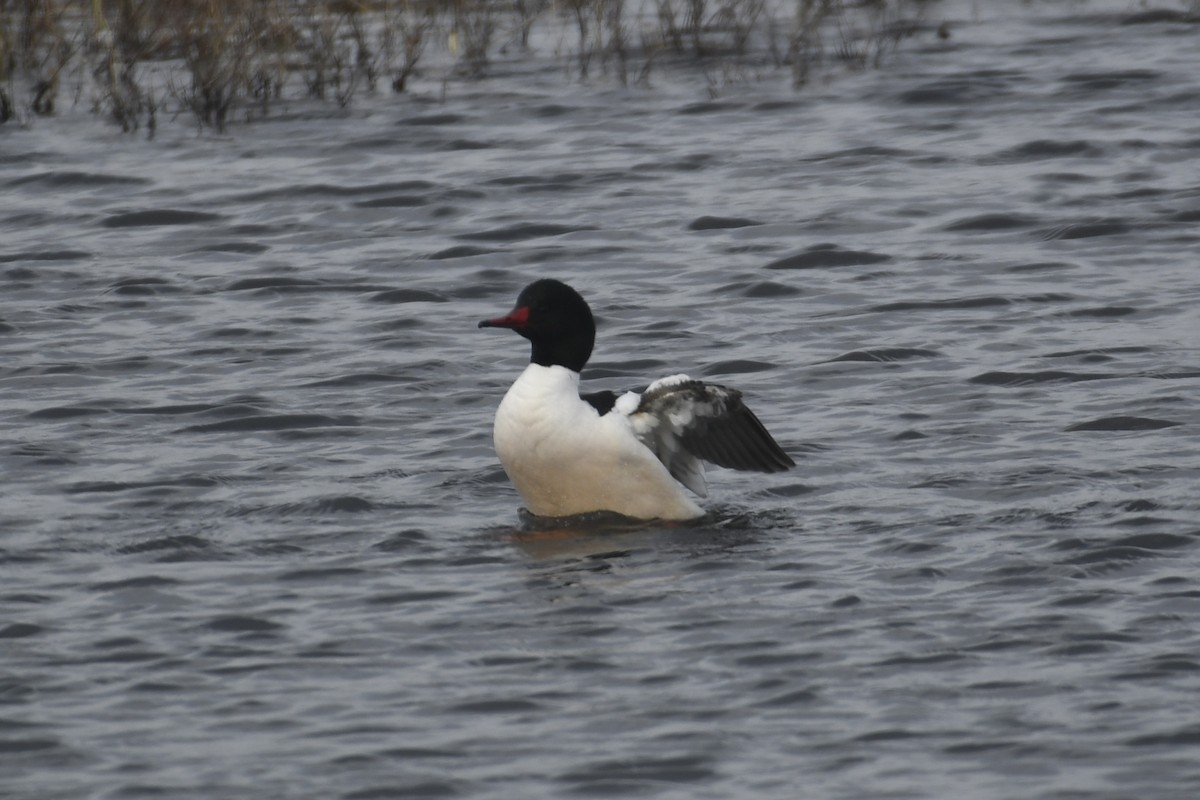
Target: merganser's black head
{"points": [[556, 320]]}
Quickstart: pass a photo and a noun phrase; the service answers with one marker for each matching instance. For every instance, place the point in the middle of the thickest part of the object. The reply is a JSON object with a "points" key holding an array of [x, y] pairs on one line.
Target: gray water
{"points": [[254, 541]]}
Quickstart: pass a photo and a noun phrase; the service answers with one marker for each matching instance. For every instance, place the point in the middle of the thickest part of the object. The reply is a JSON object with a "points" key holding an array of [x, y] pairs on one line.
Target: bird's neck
{"points": [[571, 353]]}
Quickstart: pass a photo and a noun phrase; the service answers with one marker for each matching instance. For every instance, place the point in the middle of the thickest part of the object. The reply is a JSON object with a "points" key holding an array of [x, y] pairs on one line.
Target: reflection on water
{"points": [[255, 539]]}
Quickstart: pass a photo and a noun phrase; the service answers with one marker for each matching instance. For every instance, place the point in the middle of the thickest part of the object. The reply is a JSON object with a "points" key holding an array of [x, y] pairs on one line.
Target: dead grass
{"points": [[859, 35], [221, 60]]}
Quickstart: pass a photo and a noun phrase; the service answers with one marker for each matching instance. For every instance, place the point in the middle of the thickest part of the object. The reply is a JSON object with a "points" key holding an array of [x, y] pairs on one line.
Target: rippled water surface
{"points": [[254, 541]]}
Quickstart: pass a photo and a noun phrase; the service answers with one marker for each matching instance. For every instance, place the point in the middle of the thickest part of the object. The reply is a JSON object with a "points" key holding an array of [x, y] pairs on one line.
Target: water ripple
{"points": [[256, 541]]}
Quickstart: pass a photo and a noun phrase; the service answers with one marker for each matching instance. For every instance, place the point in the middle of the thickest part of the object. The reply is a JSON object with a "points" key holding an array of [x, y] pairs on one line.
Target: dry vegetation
{"points": [[218, 60]]}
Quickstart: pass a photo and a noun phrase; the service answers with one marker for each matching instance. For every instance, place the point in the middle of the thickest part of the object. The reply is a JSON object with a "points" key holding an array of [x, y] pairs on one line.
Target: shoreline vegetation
{"points": [[224, 61]]}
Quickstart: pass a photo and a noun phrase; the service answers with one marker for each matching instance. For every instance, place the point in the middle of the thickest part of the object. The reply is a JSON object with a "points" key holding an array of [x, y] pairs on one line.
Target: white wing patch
{"points": [[663, 434], [668, 382], [627, 403]]}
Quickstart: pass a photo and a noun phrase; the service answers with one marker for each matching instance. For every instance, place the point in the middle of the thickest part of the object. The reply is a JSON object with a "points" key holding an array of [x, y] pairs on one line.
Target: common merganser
{"points": [[568, 454]]}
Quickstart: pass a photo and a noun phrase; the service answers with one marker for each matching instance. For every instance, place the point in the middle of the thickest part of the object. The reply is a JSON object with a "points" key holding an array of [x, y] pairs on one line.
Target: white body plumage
{"points": [[565, 458]]}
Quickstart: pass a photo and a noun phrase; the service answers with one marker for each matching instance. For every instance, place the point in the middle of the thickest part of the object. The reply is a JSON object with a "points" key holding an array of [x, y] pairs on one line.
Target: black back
{"points": [[603, 401]]}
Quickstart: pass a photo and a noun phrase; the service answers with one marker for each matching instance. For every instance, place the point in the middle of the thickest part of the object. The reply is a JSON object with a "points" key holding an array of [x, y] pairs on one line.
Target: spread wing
{"points": [[687, 422]]}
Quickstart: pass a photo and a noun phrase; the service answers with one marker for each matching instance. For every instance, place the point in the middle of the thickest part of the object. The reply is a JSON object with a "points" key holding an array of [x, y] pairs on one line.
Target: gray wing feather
{"points": [[686, 422]]}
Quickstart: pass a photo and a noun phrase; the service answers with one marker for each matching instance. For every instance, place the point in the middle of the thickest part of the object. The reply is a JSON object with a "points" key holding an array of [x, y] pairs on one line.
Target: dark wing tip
{"points": [[737, 439]]}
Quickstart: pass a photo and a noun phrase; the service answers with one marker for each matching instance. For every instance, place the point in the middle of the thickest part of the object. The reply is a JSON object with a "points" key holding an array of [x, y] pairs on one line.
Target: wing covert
{"points": [[685, 421]]}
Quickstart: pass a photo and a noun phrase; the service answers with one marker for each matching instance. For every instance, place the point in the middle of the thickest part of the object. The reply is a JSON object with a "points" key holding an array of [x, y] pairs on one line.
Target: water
{"points": [[255, 541]]}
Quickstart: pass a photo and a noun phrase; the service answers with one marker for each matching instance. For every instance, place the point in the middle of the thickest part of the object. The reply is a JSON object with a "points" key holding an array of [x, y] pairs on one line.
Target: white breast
{"points": [[566, 459]]}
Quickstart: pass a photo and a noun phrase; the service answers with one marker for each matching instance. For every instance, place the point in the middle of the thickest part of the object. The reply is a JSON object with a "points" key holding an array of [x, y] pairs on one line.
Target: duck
{"points": [[637, 453]]}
